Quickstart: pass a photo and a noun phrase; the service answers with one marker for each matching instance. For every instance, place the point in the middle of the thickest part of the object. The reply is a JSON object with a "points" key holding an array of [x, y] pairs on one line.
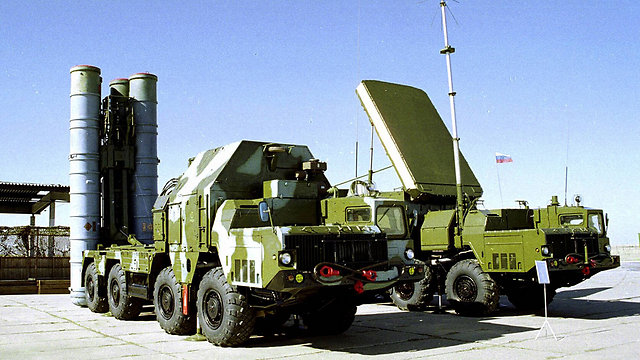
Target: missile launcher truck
{"points": [[474, 255], [242, 240]]}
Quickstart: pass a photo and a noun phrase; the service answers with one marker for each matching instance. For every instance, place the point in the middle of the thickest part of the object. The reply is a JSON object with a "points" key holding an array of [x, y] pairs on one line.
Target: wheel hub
{"points": [[213, 309], [466, 288], [115, 292], [166, 302], [405, 290], [90, 289]]}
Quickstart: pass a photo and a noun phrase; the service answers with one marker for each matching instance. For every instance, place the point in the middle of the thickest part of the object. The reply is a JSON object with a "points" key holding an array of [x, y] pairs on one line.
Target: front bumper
{"points": [[595, 263], [331, 275], [565, 272]]}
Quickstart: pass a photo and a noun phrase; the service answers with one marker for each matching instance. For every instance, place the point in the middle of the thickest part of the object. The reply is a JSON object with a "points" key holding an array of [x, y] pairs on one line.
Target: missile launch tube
{"points": [[84, 171], [142, 88], [119, 87]]}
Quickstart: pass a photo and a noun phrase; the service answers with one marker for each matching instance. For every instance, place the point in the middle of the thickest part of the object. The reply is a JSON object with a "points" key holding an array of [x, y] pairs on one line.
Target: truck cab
{"points": [[371, 209]]}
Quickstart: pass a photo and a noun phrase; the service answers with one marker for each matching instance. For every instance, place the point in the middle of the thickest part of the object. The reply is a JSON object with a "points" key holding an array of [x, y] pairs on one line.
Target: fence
{"points": [[34, 241], [41, 268], [34, 275]]}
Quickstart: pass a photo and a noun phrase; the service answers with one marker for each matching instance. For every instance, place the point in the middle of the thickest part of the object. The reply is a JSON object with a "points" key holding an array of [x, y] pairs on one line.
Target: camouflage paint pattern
{"points": [[212, 216]]}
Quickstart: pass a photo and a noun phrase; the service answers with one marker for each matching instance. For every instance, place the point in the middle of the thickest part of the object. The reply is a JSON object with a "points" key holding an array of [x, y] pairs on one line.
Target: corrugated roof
{"points": [[29, 198]]}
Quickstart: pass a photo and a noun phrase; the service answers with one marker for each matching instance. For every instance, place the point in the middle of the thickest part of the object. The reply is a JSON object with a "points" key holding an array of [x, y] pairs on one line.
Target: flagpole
{"points": [[499, 185]]}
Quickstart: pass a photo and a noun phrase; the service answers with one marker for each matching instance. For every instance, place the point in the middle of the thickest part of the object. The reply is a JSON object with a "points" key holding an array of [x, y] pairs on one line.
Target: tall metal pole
{"points": [[447, 51], [370, 177]]}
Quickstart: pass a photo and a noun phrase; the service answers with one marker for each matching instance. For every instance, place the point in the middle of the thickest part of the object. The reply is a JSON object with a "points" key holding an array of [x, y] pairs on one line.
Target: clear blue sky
{"points": [[534, 79]]}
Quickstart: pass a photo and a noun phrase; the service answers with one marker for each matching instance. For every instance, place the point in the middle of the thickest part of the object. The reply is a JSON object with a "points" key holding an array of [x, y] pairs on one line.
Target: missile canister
{"points": [[84, 174], [142, 88], [119, 87]]}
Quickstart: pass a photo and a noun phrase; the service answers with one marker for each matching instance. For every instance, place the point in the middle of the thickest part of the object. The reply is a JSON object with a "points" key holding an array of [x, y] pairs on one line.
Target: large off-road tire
{"points": [[224, 314], [530, 298], [95, 291], [470, 290], [413, 296], [167, 301], [121, 305], [332, 319]]}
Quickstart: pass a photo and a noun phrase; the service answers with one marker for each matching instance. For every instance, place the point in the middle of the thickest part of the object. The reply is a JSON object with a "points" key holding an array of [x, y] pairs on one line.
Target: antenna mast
{"points": [[447, 51], [370, 177]]}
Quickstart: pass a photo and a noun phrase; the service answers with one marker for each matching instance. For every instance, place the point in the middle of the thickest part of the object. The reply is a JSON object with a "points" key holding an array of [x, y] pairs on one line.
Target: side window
{"points": [[246, 217], [574, 220], [358, 214]]}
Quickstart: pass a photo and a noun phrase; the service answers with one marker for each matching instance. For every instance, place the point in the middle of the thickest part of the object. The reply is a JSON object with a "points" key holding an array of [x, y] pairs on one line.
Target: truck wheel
{"points": [[332, 319], [167, 301], [94, 290], [121, 305], [413, 296], [530, 298], [224, 314], [470, 290]]}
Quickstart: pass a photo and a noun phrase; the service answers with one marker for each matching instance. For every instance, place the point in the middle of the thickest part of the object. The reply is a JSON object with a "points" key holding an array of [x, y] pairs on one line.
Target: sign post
{"points": [[543, 278]]}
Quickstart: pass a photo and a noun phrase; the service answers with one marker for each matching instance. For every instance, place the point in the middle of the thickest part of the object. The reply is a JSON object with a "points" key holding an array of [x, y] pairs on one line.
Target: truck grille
{"points": [[564, 244], [350, 250]]}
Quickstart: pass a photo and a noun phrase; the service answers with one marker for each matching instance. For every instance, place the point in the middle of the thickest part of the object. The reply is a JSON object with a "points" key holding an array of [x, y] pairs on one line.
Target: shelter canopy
{"points": [[29, 198]]}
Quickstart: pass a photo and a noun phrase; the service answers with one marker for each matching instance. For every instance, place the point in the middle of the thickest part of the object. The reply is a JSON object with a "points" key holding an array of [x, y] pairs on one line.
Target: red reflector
{"points": [[358, 287], [328, 271], [586, 271], [592, 263], [185, 299]]}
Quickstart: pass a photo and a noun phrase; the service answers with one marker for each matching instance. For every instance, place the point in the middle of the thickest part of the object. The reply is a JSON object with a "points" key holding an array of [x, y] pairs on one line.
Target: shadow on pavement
{"points": [[379, 334], [387, 333], [572, 304]]}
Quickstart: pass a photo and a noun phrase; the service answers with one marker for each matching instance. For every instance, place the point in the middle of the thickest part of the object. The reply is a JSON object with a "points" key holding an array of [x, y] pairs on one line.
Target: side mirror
{"points": [[264, 211]]}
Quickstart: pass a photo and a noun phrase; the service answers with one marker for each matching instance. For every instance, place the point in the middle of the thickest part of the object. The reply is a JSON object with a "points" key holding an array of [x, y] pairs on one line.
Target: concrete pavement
{"points": [[597, 319]]}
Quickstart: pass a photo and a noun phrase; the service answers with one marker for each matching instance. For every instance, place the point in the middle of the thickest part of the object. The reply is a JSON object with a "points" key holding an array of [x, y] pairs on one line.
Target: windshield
{"points": [[390, 219], [574, 220], [595, 222]]}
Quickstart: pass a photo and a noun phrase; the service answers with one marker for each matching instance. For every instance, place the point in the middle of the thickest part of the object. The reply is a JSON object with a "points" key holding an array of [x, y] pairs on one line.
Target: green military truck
{"points": [[474, 255], [245, 238]]}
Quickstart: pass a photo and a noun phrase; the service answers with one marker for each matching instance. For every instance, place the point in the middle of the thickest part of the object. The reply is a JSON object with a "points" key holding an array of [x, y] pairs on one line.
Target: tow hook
{"points": [[370, 275], [328, 271]]}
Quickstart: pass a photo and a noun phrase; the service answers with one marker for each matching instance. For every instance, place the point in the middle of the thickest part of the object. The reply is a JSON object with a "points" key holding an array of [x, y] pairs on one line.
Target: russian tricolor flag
{"points": [[503, 158]]}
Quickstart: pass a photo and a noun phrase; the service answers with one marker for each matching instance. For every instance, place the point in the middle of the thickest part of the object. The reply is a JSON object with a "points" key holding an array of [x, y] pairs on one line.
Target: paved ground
{"points": [[598, 319]]}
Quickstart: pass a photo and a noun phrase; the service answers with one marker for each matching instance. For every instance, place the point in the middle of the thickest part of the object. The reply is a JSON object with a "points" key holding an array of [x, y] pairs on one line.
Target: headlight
{"points": [[607, 248], [409, 254], [545, 251], [285, 258]]}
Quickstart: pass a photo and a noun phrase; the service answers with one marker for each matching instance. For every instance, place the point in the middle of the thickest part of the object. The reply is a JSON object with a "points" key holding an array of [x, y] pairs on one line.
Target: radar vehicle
{"points": [[472, 254]]}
